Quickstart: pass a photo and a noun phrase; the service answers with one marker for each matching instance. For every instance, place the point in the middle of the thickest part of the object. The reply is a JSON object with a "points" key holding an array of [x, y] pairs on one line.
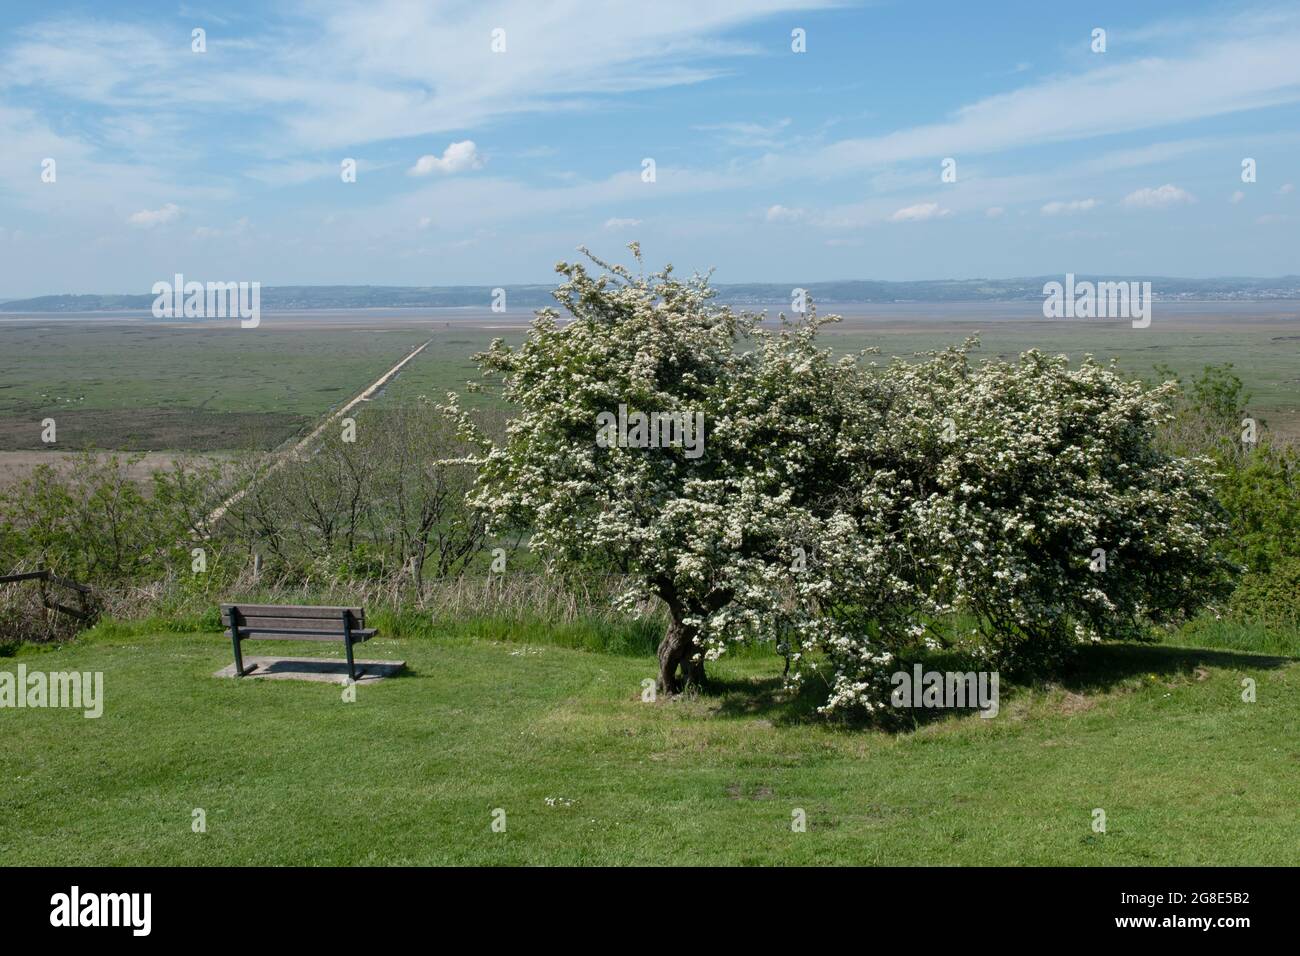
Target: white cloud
{"points": [[919, 213], [1159, 198], [741, 134], [1058, 208], [616, 223], [1236, 197], [779, 213], [1273, 217], [995, 212], [239, 227], [1287, 189], [148, 218], [456, 158]]}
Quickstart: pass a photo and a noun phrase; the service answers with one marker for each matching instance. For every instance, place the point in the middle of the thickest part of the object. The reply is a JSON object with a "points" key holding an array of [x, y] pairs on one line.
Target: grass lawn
{"points": [[289, 773]]}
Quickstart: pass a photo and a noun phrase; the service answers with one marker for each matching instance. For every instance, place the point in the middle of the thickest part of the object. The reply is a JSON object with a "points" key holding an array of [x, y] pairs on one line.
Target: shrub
{"points": [[92, 521], [1270, 596], [1028, 496]]}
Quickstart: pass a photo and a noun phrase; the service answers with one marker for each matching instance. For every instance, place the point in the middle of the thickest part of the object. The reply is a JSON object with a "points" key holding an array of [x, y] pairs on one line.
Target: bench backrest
{"points": [[292, 617]]}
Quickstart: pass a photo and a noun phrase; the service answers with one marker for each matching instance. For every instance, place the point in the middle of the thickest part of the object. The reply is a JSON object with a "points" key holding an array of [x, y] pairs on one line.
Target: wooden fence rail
{"points": [[83, 612]]}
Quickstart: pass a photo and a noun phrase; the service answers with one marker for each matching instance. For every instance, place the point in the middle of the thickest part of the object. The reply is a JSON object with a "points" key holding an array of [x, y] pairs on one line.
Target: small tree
{"points": [[715, 531]]}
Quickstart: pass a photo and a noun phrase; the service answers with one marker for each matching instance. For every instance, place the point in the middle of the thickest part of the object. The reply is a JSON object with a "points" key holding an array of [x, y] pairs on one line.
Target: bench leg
{"points": [[239, 658], [352, 667]]}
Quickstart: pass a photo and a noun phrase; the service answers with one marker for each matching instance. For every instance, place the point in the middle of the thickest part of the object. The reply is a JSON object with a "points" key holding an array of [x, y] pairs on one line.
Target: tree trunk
{"points": [[675, 651]]}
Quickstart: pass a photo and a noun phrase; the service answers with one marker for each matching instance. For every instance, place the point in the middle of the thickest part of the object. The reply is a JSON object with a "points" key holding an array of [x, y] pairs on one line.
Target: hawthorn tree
{"points": [[715, 537], [843, 508], [1029, 497]]}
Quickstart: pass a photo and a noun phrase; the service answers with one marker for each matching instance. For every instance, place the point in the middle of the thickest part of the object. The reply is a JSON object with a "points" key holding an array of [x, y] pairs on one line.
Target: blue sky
{"points": [[482, 167]]}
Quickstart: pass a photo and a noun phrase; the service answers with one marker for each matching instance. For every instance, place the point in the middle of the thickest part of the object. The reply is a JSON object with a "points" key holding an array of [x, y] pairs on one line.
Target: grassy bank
{"points": [[290, 773]]}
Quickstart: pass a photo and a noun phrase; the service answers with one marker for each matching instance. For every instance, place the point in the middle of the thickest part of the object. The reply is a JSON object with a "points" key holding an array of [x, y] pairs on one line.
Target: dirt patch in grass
{"points": [[736, 792], [1073, 703]]}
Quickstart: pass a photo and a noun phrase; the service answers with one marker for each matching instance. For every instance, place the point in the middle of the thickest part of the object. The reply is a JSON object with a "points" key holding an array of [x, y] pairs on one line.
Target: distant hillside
{"points": [[306, 297], [78, 303], [294, 297]]}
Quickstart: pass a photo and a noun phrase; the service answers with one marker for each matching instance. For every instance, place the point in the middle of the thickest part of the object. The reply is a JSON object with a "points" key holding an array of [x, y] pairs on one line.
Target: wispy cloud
{"points": [[920, 212], [1059, 208], [763, 135], [779, 213], [1108, 99], [1159, 197], [238, 228], [293, 173], [148, 218], [329, 74]]}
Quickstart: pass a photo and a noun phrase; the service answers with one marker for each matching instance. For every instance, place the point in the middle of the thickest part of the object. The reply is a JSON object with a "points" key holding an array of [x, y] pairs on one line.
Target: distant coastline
{"points": [[826, 294]]}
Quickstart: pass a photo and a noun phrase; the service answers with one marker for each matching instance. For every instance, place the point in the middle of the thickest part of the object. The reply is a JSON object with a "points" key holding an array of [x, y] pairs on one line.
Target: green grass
{"points": [[290, 773], [1234, 635]]}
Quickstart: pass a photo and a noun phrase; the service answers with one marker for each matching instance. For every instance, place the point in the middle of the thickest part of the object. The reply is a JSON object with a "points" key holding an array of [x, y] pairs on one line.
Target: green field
{"points": [[151, 386], [154, 386], [289, 773]]}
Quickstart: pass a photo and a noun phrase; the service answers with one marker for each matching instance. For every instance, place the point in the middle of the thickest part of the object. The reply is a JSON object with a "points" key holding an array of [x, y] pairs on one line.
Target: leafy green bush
{"points": [[1258, 483], [1271, 595], [93, 522], [1261, 491]]}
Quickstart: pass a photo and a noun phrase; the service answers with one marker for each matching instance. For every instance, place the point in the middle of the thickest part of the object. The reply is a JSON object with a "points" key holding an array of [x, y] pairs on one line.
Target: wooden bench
{"points": [[289, 622]]}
